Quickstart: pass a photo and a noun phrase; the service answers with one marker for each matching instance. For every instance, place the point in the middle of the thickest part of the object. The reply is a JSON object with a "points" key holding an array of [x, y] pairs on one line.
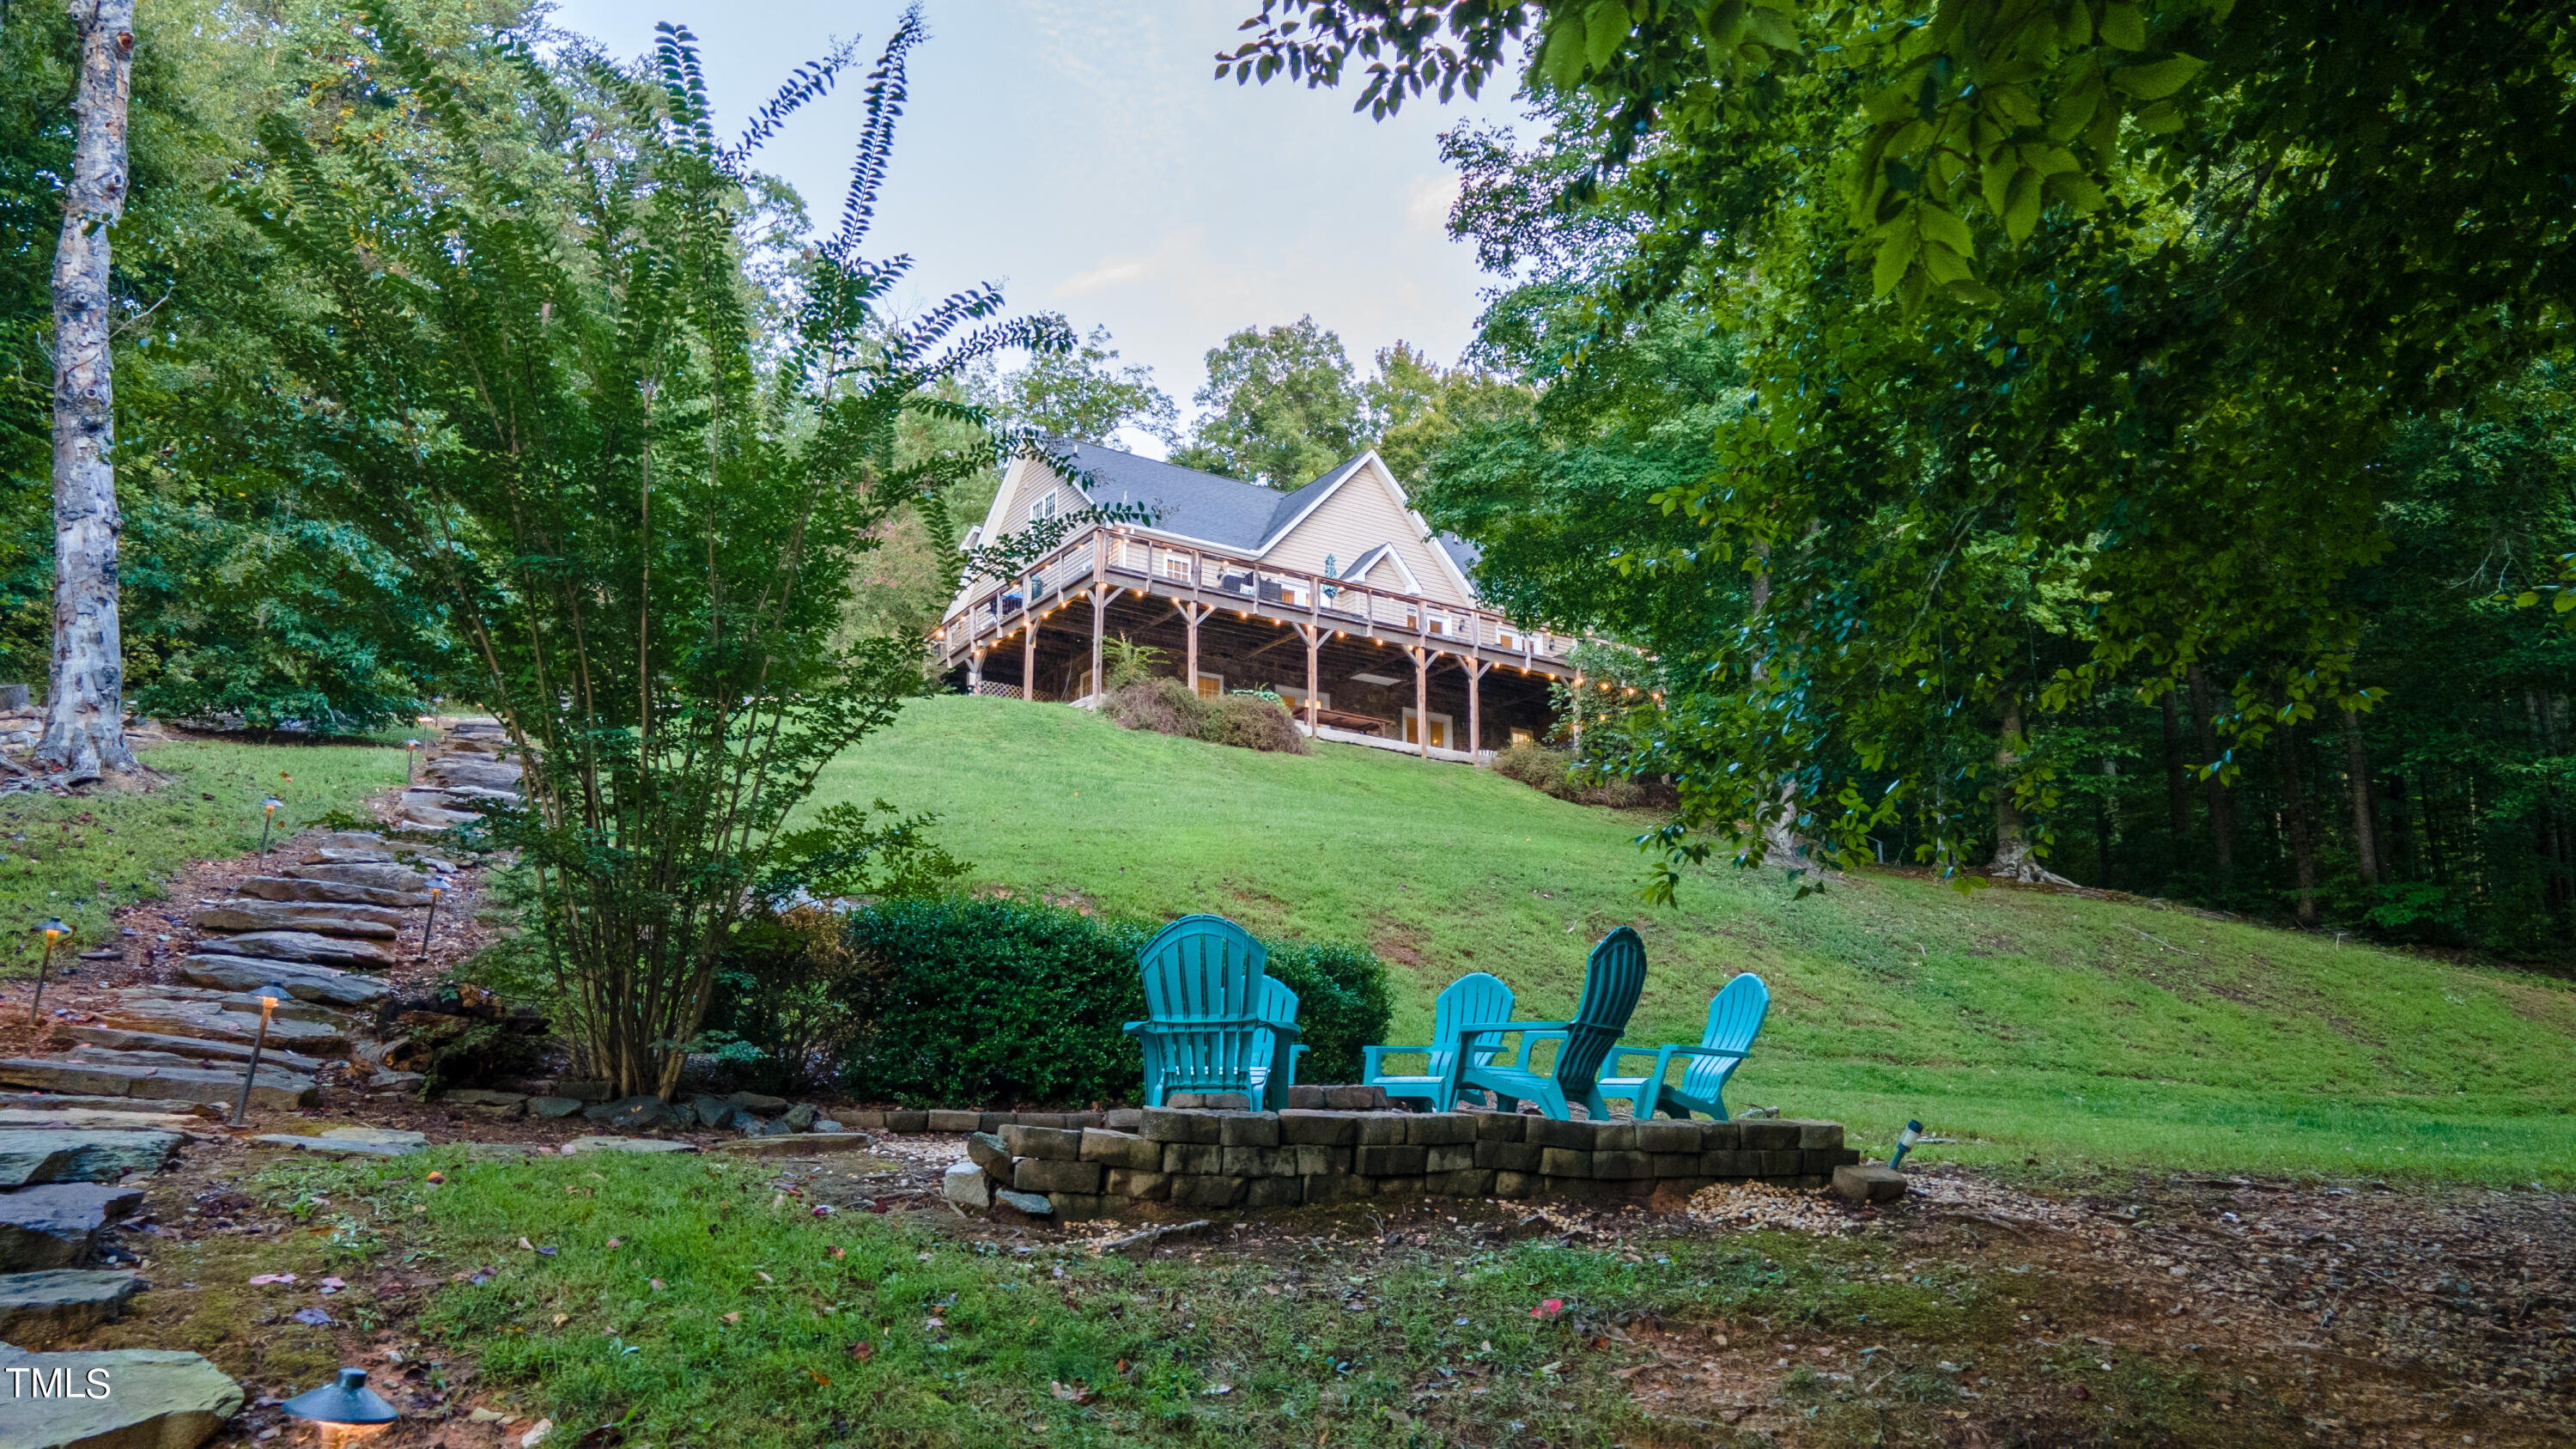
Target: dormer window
{"points": [[1044, 508]]}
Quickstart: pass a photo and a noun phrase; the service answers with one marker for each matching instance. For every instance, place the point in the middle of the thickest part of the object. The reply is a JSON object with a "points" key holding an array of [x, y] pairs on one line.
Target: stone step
{"points": [[32, 1156], [197, 1084], [53, 1101], [375, 877], [288, 888], [94, 1043], [92, 1119], [152, 1399], [468, 797], [56, 1225], [346, 857], [474, 770], [328, 918], [307, 948], [348, 840], [53, 1304], [293, 1009], [431, 812], [209, 1023], [353, 1142], [326, 985]]}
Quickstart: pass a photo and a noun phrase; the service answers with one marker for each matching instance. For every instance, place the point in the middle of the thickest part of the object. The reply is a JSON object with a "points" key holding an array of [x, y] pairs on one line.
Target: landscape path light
{"points": [[55, 931], [1905, 1141], [268, 809], [411, 755], [345, 1411], [437, 888], [269, 996]]}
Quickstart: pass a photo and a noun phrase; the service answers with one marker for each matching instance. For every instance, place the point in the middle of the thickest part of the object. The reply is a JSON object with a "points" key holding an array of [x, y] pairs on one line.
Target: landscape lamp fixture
{"points": [[269, 996], [268, 809], [411, 753], [342, 1412], [437, 888], [54, 930], [1905, 1141]]}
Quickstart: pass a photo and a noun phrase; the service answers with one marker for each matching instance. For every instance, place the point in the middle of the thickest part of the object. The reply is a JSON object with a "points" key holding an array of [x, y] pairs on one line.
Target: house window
{"points": [[1290, 592], [1523, 737], [1506, 637], [1440, 730], [1447, 626], [1211, 686], [1176, 566], [1044, 508], [1296, 697]]}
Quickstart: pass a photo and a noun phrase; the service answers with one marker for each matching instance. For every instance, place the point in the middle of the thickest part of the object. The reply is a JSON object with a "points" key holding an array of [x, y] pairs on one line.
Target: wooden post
{"points": [[1190, 616], [1476, 669], [1099, 620], [975, 672], [1314, 643], [1421, 698], [1029, 644], [1577, 697]]}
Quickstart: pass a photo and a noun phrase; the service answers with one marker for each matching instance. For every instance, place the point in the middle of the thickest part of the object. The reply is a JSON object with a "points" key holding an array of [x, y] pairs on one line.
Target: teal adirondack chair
{"points": [[1278, 1008], [1474, 997], [1203, 980], [1734, 1019], [1611, 982]]}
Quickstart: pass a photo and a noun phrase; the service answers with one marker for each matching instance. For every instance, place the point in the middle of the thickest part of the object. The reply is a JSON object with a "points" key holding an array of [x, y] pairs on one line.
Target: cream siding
{"points": [[1025, 483], [1361, 514]]}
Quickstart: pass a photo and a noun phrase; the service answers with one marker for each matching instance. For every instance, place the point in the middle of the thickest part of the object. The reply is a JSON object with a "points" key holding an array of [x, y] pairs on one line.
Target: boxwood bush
{"points": [[971, 1001]]}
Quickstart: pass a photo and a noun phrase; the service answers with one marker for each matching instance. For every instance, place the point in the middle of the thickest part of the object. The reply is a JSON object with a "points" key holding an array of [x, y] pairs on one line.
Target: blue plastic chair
{"points": [[1278, 1009], [1203, 979], [1474, 997], [1734, 1019], [1612, 981]]}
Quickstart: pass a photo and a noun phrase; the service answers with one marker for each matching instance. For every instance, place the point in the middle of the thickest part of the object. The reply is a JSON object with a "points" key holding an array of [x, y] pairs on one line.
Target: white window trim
{"points": [[1206, 679], [1446, 727]]}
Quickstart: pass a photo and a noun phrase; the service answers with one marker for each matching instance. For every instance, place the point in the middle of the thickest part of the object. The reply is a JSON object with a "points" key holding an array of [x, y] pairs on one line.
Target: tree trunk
{"points": [[2015, 859], [1781, 844], [85, 709], [2303, 847], [2222, 813], [2177, 785], [2365, 824]]}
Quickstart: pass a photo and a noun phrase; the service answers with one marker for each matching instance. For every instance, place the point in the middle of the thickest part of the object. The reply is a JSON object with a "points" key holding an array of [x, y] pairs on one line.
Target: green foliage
{"points": [[1168, 706], [1083, 395], [1418, 407], [1281, 407], [976, 1000]]}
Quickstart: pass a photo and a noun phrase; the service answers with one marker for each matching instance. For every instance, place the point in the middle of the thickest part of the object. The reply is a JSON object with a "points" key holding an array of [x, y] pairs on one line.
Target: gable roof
{"points": [[1383, 553]]}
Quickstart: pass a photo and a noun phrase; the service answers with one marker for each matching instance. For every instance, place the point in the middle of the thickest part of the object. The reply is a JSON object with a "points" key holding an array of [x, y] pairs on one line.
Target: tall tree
{"points": [[1417, 407], [1280, 406], [85, 708], [1084, 394]]}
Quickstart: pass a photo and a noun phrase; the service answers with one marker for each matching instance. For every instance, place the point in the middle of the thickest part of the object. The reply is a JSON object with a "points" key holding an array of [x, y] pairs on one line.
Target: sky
{"points": [[1082, 154]]}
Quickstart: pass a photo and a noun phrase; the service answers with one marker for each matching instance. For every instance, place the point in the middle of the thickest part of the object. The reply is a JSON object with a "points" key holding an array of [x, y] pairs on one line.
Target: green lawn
{"points": [[84, 858], [2080, 1033]]}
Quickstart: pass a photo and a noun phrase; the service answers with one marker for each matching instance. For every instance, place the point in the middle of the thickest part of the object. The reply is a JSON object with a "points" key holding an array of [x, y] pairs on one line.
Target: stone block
{"points": [[1209, 1101], [1333, 1187], [1869, 1182], [865, 1121], [1356, 1099], [994, 1122], [1440, 1129], [1011, 1206], [1719, 1137], [1672, 1164], [157, 1399], [1500, 1126], [1273, 1192], [1549, 1132], [1306, 1098], [1564, 1162], [1321, 1161], [1767, 1134], [1621, 1166], [1667, 1136], [1821, 1161], [910, 1119], [951, 1120], [1390, 1187], [1165, 1124], [1729, 1162], [1119, 1119], [1618, 1136], [1248, 1129], [1052, 1144], [1515, 1184], [1144, 1186], [1457, 1157], [1466, 1182], [1379, 1129], [1508, 1156], [56, 1226], [1204, 1159], [60, 1303], [38, 1156], [1298, 1127], [1257, 1162], [991, 1154], [1121, 1149], [1052, 1176], [1083, 1207], [1202, 1190], [1783, 1162], [1820, 1136], [1392, 1161], [967, 1185]]}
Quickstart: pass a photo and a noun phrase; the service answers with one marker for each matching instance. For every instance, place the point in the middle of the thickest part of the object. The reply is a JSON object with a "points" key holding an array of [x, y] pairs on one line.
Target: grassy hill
{"points": [[2029, 1026]]}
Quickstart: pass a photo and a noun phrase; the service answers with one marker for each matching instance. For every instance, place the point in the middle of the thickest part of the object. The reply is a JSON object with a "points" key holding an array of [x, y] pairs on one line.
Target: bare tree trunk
{"points": [[85, 709], [2222, 813], [2177, 788], [2303, 846], [2365, 824], [2015, 858], [1780, 843]]}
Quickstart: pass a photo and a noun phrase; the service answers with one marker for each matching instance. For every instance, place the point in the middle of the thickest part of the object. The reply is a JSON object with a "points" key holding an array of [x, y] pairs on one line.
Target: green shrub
{"points": [[1553, 772], [971, 1001], [1167, 706]]}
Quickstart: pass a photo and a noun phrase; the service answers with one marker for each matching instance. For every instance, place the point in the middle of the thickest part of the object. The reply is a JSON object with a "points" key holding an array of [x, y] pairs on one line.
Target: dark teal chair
{"points": [[1734, 1019], [1203, 1029], [1473, 997], [1612, 980]]}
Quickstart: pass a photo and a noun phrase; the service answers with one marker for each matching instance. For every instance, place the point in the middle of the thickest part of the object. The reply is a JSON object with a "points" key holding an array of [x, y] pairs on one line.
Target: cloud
{"points": [[1428, 199], [1110, 273]]}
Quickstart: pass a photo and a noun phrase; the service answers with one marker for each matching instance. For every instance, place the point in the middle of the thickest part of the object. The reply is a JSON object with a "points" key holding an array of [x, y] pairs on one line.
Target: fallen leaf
{"points": [[537, 1435], [657, 1285], [1215, 1390], [524, 1243], [839, 1253], [333, 1284], [734, 1317], [616, 1242], [1549, 1308], [314, 1317], [1072, 1393], [272, 1278], [437, 1177], [488, 1416], [547, 1251], [763, 1277], [562, 1318], [863, 1351], [818, 1377]]}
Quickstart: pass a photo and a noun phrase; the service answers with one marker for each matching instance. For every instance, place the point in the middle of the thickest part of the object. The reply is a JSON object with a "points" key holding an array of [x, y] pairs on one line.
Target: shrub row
{"points": [[1167, 706]]}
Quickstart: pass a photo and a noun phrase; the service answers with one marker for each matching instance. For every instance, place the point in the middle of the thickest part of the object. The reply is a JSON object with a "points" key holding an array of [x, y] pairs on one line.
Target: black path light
{"points": [[269, 996], [437, 888], [55, 931], [344, 1411], [268, 809]]}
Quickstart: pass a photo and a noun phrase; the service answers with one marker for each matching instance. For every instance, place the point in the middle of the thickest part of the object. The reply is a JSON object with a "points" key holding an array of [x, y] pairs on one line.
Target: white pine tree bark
{"points": [[85, 708]]}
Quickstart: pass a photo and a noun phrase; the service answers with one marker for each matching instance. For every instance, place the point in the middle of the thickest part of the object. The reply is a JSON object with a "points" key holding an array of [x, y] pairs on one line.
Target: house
{"points": [[1337, 596]]}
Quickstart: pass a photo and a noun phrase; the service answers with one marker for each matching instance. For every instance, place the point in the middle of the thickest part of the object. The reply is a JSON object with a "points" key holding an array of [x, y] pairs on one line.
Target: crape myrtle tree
{"points": [[541, 382], [2070, 331]]}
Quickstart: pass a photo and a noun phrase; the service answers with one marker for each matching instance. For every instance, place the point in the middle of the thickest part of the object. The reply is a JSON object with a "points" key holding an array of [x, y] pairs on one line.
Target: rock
{"points": [[85, 1121], [826, 1124], [134, 1399], [308, 947], [553, 1106], [211, 1021], [429, 810], [324, 984], [543, 1430], [29, 1156], [50, 1101], [346, 857], [324, 917], [284, 888], [744, 1122], [964, 1184], [353, 1142], [361, 840], [1869, 1182], [58, 1303], [634, 1113], [987, 1152], [798, 1144], [196, 1084], [389, 1082], [586, 1091], [755, 1102], [625, 1144], [800, 1118], [149, 1048], [293, 1008], [711, 1111], [1022, 1207], [497, 1104], [470, 770], [56, 1225], [383, 877]]}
